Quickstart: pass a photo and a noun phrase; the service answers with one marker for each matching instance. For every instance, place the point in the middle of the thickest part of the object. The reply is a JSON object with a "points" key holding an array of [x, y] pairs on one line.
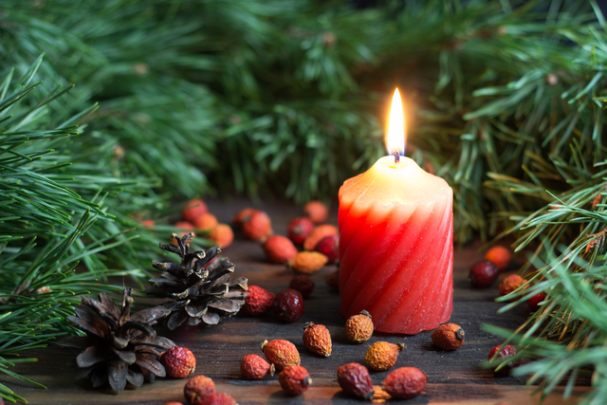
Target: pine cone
{"points": [[118, 347], [200, 286]]}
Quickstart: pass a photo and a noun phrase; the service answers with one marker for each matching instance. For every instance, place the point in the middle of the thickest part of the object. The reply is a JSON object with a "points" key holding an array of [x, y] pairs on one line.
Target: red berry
{"points": [[242, 217], [329, 246], [405, 382], [316, 211], [257, 226], [279, 249], [193, 209], [148, 224], [303, 284], [166, 403], [534, 302], [299, 229], [258, 302], [507, 351], [483, 274], [294, 380], [179, 362], [288, 305], [500, 256], [355, 380], [198, 388], [281, 353], [219, 398], [253, 367]]}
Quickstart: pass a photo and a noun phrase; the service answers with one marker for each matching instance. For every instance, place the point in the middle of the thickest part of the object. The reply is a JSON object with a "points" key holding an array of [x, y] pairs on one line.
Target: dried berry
{"points": [[279, 249], [316, 211], [510, 284], [253, 367], [198, 388], [299, 229], [294, 380], [222, 235], [500, 256], [355, 380], [308, 262], [206, 221], [219, 398], [381, 356], [281, 353], [303, 284], [448, 336], [405, 382], [329, 247], [193, 209], [483, 274], [166, 403], [288, 305], [318, 234], [257, 226], [179, 362], [258, 302], [359, 328], [507, 351], [242, 217], [317, 339], [333, 280], [534, 301], [148, 223]]}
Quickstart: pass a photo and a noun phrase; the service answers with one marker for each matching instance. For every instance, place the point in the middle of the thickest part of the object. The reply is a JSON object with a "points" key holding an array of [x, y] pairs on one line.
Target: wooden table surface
{"points": [[453, 377]]}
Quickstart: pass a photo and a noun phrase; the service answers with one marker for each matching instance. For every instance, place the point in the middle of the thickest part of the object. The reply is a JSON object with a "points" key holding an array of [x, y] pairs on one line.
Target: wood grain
{"points": [[454, 377]]}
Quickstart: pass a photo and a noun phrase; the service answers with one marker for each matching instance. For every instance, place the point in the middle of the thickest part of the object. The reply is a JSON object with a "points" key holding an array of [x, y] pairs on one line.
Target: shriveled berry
{"points": [[316, 211], [381, 356], [318, 234], [507, 351], [193, 209], [303, 284], [288, 305], [257, 226], [308, 262], [405, 382], [198, 388], [448, 336], [355, 380], [206, 221], [258, 302], [281, 353], [510, 284], [534, 301], [333, 280], [317, 339], [179, 362], [483, 274], [299, 229], [279, 249], [219, 398], [222, 235], [294, 380], [242, 217], [499, 255], [329, 246], [253, 367], [359, 328]]}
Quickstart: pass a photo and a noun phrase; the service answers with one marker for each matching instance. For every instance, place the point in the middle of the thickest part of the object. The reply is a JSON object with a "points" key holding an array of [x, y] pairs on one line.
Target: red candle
{"points": [[396, 242]]}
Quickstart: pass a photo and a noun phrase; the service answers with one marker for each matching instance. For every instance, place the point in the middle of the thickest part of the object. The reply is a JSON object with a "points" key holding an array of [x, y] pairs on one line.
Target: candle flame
{"points": [[395, 137]]}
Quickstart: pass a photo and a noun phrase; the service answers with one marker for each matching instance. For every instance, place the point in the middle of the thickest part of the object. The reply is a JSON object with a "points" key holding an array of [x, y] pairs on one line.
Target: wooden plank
{"points": [[454, 377]]}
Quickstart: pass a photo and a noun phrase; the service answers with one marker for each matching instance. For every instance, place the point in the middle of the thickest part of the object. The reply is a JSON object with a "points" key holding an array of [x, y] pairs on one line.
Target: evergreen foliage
{"points": [[505, 101]]}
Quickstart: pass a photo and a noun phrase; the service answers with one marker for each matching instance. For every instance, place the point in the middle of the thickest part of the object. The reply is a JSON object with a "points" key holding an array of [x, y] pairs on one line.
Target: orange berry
{"points": [[511, 283], [448, 336], [279, 249], [222, 235], [206, 221], [318, 234], [499, 255], [308, 262], [148, 223], [281, 353], [381, 356], [257, 226], [317, 339], [294, 380], [253, 367], [193, 209], [316, 211], [198, 388], [359, 328]]}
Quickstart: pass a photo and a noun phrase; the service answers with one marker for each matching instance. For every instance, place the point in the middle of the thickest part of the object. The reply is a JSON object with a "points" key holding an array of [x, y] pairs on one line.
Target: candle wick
{"points": [[396, 157]]}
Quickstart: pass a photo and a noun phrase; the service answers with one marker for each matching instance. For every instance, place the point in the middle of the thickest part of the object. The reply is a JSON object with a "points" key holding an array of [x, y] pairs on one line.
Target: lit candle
{"points": [[396, 241]]}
